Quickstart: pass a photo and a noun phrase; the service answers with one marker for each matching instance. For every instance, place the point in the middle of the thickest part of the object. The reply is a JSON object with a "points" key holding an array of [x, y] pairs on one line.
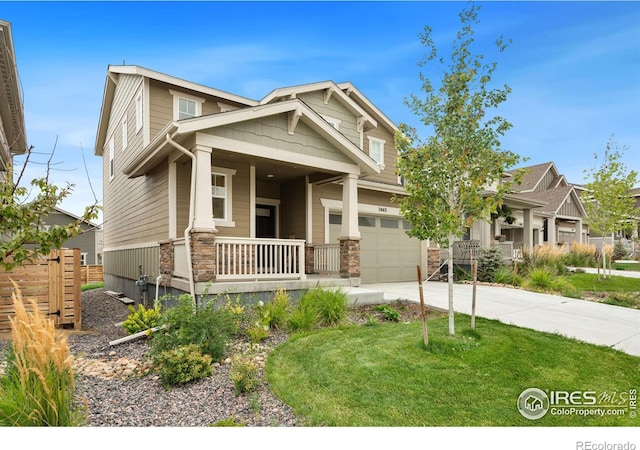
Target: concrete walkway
{"points": [[596, 323]]}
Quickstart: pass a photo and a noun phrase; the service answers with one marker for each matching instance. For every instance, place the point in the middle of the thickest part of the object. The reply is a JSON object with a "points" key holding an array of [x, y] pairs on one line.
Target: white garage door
{"points": [[387, 254]]}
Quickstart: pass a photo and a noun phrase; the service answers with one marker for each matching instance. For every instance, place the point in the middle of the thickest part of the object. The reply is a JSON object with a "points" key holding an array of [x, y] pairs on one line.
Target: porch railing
{"points": [[259, 259], [326, 258], [507, 249]]}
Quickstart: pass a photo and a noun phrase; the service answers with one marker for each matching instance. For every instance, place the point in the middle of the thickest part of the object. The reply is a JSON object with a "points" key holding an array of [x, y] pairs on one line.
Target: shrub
{"points": [[302, 317], [370, 320], [229, 422], [388, 313], [541, 279], [330, 305], [489, 260], [257, 332], [141, 319], [37, 388], [274, 313], [183, 364], [619, 252], [626, 299], [244, 373], [206, 327]]}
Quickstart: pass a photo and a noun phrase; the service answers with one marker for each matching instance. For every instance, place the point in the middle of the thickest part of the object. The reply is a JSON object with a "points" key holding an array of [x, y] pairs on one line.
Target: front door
{"points": [[265, 221]]}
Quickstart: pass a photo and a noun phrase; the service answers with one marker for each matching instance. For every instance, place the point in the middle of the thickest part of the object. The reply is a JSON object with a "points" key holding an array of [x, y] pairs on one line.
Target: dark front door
{"points": [[265, 221]]}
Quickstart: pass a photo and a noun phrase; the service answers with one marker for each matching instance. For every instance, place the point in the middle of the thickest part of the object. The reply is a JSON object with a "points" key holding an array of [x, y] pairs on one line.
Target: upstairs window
{"points": [[139, 112], [112, 171], [185, 106], [125, 132], [376, 150]]}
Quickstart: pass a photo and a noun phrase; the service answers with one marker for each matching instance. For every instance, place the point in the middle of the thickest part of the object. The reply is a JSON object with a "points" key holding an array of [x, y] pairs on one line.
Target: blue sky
{"points": [[574, 67]]}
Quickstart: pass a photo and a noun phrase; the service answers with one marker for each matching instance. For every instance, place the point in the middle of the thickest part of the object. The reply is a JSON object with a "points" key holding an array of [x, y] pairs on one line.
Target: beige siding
{"points": [[273, 132], [183, 191], [388, 173], [292, 210], [126, 263], [569, 209], [161, 104], [336, 110], [124, 97], [267, 190]]}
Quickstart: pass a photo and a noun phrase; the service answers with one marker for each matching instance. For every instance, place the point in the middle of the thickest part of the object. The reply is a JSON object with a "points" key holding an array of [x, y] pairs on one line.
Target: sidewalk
{"points": [[596, 323]]}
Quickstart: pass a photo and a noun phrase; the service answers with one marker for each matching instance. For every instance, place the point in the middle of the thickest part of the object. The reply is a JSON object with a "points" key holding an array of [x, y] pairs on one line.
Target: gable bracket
{"points": [[294, 117], [360, 123], [327, 94]]}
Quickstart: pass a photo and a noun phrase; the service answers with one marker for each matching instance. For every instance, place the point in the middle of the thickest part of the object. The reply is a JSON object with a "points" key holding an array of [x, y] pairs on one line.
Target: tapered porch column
{"points": [[203, 212], [203, 233], [350, 234], [528, 228]]}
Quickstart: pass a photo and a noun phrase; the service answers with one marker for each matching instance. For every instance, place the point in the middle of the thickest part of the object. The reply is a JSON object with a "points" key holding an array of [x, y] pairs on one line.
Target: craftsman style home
{"points": [[204, 189]]}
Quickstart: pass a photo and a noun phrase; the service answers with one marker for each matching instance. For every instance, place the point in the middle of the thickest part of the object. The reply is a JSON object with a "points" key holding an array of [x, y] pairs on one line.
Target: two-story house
{"points": [[208, 190]]}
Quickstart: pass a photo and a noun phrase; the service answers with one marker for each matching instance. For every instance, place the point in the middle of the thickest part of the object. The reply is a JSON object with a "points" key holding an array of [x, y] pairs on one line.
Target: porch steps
{"points": [[120, 296], [363, 296]]}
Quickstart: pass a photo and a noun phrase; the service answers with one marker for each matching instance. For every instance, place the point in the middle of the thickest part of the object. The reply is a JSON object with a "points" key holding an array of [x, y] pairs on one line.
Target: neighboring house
{"points": [[545, 209], [88, 241], [202, 186], [13, 140]]}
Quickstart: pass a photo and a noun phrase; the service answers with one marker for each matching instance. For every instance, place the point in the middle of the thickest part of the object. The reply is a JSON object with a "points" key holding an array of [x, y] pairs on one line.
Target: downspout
{"points": [[187, 231]]}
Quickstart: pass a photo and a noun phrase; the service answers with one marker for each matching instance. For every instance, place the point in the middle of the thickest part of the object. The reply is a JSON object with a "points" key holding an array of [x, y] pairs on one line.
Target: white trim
{"points": [[125, 132], [309, 208], [330, 205], [139, 111], [228, 199], [173, 199], [247, 148], [131, 247], [177, 95], [381, 187], [335, 123], [112, 161], [351, 89], [146, 118], [381, 142], [225, 107], [252, 201]]}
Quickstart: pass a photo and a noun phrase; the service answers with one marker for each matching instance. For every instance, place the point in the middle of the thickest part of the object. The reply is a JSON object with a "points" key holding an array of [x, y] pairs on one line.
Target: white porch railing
{"points": [[180, 260], [326, 258], [259, 259]]}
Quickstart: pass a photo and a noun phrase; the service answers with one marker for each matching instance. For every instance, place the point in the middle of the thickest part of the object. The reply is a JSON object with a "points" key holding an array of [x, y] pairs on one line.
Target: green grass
{"points": [[88, 287], [633, 267], [382, 375], [589, 282]]}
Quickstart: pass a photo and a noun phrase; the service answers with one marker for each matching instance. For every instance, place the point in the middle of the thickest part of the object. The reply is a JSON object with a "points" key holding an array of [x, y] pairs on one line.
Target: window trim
{"points": [[381, 142], [335, 123], [177, 95], [125, 133], [228, 204], [112, 164], [139, 112]]}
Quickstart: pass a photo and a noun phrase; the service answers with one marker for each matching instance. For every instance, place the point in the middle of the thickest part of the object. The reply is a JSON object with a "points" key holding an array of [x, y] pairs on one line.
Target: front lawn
{"points": [[381, 375]]}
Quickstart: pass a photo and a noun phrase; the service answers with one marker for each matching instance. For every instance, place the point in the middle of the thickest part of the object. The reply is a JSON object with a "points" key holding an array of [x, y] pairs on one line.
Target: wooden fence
{"points": [[91, 274], [52, 281]]}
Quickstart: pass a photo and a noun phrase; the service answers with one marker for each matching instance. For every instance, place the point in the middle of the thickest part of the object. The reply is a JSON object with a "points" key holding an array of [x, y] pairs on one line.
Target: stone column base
{"points": [[203, 255], [349, 258], [309, 259]]}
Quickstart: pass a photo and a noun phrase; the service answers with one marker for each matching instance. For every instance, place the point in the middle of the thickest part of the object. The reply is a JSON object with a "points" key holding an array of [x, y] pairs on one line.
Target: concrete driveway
{"points": [[596, 323]]}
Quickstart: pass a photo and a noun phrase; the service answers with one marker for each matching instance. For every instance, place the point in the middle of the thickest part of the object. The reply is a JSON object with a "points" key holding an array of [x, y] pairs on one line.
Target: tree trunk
{"points": [[452, 330]]}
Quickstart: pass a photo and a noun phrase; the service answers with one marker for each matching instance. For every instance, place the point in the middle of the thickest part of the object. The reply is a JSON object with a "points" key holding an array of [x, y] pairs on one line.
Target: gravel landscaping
{"points": [[121, 390]]}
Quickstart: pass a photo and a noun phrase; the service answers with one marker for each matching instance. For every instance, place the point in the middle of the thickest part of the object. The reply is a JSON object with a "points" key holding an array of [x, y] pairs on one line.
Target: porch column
{"points": [[551, 231], [350, 235], [579, 231], [528, 228], [203, 213]]}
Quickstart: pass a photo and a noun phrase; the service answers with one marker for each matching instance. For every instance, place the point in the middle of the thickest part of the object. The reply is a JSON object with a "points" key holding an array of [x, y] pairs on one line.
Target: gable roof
{"points": [[330, 89], [554, 199], [297, 110], [11, 108], [352, 92], [533, 175], [111, 82]]}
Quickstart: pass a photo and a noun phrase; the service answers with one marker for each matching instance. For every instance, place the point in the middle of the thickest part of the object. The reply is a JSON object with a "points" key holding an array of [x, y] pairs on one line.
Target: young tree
{"points": [[607, 199], [455, 176], [23, 236]]}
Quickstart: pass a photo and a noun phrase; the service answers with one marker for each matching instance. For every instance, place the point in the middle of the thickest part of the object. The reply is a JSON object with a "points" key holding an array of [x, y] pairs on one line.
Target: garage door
{"points": [[387, 254]]}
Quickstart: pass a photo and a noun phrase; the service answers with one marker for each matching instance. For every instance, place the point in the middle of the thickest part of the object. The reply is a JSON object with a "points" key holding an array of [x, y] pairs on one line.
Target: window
{"points": [[389, 223], [139, 112], [125, 131], [335, 219], [376, 150], [364, 221], [112, 171], [221, 195], [83, 259], [185, 106]]}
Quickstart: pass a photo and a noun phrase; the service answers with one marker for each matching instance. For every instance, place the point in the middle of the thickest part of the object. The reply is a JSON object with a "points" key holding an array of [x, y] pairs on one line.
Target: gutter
{"points": [[187, 231]]}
